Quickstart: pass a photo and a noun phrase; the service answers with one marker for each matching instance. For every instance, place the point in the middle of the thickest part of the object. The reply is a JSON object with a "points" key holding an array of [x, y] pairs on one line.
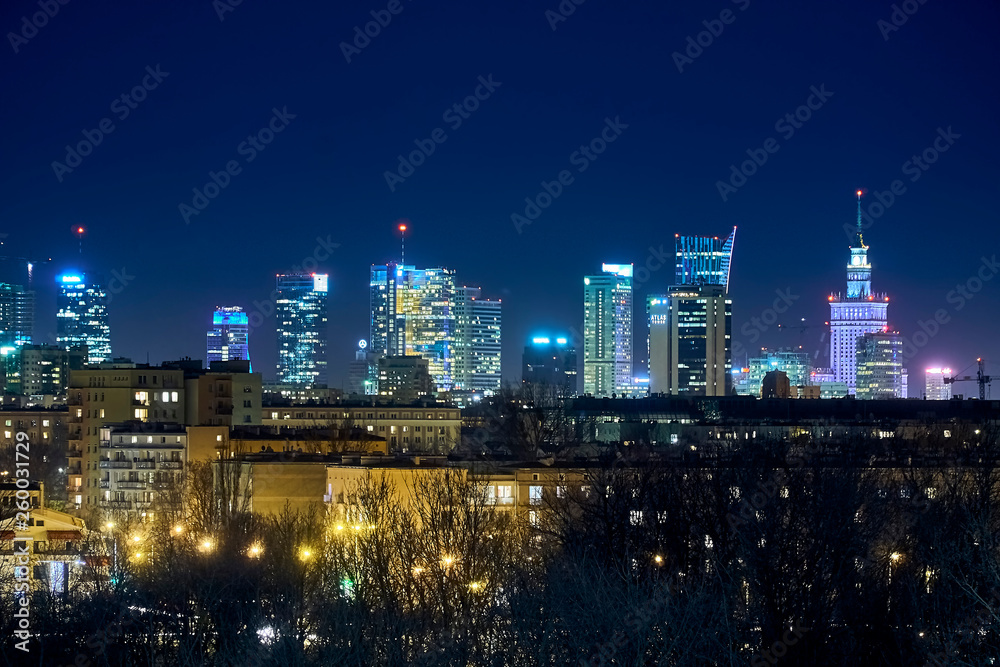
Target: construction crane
{"points": [[981, 378], [801, 328]]}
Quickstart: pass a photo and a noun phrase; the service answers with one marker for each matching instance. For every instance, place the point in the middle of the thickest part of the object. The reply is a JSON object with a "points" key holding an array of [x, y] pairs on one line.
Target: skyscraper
{"points": [[17, 315], [229, 337], [859, 312], [795, 365], [935, 388], [550, 362], [690, 329], [704, 260], [476, 349], [82, 316], [607, 331], [879, 365], [301, 311], [387, 334], [413, 314]]}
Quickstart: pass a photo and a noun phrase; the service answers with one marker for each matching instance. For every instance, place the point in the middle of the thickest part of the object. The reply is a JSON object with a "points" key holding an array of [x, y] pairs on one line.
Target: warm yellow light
{"points": [[109, 525], [135, 538], [447, 560], [254, 551], [895, 556], [658, 559], [475, 585], [207, 544], [306, 554], [178, 529], [418, 570], [340, 527]]}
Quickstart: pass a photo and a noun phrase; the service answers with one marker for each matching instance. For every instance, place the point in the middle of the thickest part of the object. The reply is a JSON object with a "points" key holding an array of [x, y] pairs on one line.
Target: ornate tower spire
{"points": [[859, 271]]}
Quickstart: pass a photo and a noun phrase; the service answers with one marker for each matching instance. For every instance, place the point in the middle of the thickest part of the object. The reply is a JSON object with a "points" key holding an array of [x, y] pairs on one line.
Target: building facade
{"points": [[82, 316], [17, 315], [476, 349], [301, 311], [704, 260], [229, 337], [404, 379], [607, 331], [138, 460], [879, 366], [550, 362], [113, 393], [795, 365], [45, 369], [855, 314], [690, 331], [935, 388]]}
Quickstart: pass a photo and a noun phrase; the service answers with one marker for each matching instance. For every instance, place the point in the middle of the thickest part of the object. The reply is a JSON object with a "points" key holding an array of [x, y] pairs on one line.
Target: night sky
{"points": [[885, 93]]}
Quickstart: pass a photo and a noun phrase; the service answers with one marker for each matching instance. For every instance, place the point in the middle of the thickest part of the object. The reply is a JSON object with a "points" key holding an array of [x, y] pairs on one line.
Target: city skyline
{"points": [[870, 125]]}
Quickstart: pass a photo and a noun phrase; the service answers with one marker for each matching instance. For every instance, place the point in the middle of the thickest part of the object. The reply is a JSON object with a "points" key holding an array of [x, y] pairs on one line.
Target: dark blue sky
{"points": [[323, 174]]}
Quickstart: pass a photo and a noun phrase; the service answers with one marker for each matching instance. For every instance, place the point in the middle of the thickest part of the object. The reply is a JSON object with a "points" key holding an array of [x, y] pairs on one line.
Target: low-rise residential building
{"points": [[137, 460]]}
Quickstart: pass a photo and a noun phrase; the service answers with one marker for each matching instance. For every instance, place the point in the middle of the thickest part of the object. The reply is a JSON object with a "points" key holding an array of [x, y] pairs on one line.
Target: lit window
{"points": [[535, 495], [6, 434], [173, 397], [218, 438]]}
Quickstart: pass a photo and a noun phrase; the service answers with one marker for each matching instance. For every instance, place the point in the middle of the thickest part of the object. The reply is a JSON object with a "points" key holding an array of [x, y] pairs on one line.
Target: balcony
{"points": [[74, 470], [126, 465], [117, 504], [74, 453], [145, 464], [171, 465], [224, 410], [105, 484], [74, 489], [142, 486]]}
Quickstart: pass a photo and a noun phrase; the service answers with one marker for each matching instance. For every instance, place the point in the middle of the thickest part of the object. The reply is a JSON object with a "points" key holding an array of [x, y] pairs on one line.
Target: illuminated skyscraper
{"points": [[879, 365], [229, 337], [476, 349], [690, 329], [795, 365], [704, 260], [857, 313], [935, 388], [82, 316], [17, 315], [550, 362], [607, 331], [301, 312], [413, 314]]}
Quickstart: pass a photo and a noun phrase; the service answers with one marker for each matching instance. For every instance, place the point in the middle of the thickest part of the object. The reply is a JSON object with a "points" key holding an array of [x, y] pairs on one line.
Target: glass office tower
{"points": [[82, 316], [607, 331], [301, 312], [229, 337]]}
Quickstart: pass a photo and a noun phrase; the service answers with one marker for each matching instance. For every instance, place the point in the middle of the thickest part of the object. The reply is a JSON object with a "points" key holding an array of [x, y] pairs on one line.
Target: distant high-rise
{"points": [[607, 331], [476, 349], [82, 316], [879, 365], [704, 260], [362, 373], [17, 315], [413, 314], [229, 337], [551, 362], [859, 312], [935, 388], [690, 329], [301, 312], [795, 365]]}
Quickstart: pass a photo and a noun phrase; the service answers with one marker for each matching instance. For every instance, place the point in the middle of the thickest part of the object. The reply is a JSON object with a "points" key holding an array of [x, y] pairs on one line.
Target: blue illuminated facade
{"points": [[82, 316], [17, 315], [229, 337], [301, 312], [550, 362], [704, 260], [607, 331]]}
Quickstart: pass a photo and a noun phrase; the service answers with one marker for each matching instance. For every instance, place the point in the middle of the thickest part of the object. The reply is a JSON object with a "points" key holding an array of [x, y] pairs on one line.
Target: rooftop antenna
{"points": [[79, 230], [402, 243]]}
